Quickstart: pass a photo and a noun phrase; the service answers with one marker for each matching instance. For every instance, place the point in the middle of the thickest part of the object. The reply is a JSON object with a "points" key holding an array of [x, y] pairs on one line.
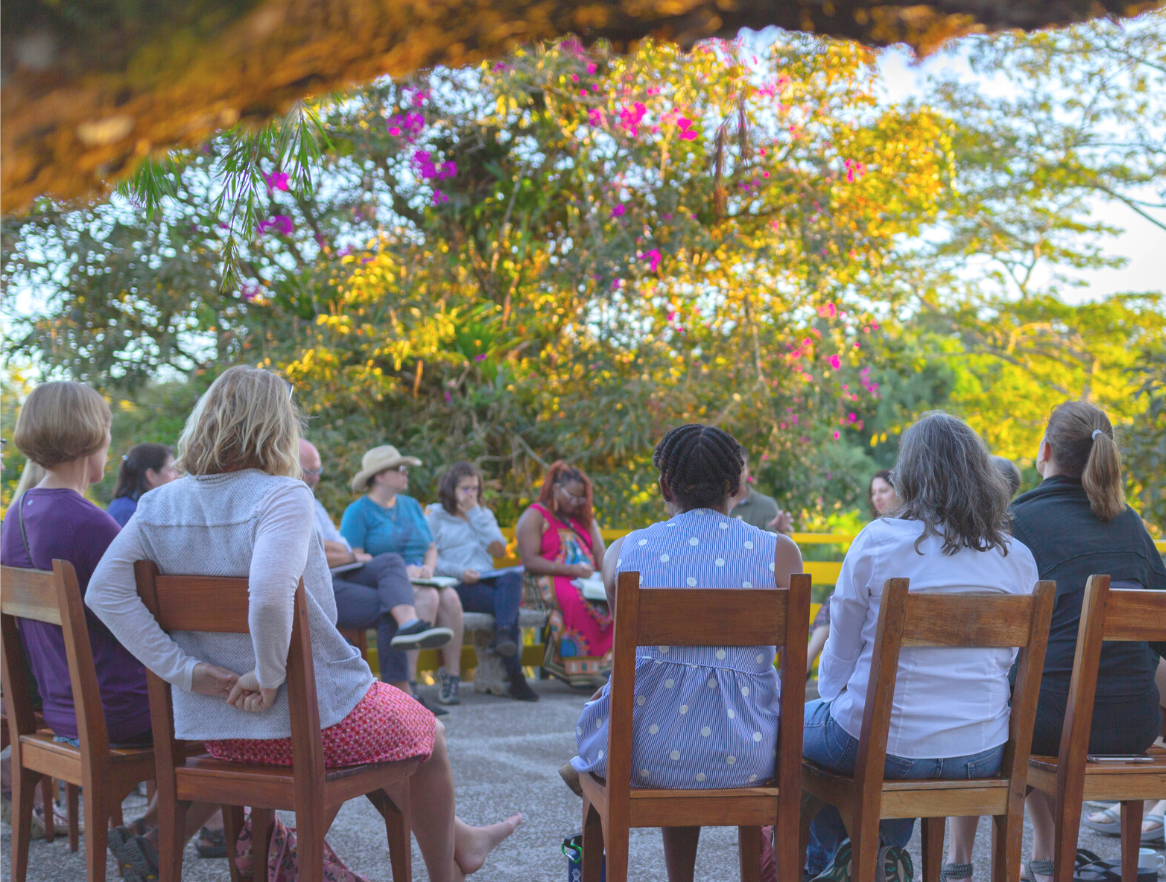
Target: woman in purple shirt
{"points": [[65, 428]]}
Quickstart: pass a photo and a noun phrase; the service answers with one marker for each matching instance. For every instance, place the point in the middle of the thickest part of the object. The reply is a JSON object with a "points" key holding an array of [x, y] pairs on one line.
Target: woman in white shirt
{"points": [[242, 510], [951, 707]]}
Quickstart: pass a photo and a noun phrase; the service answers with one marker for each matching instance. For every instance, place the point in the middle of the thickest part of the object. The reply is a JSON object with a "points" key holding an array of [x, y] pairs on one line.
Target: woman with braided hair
{"points": [[559, 543], [705, 717]]}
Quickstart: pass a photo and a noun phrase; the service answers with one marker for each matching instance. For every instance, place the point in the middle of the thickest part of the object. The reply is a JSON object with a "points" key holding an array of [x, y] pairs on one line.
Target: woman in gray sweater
{"points": [[468, 539], [242, 510]]}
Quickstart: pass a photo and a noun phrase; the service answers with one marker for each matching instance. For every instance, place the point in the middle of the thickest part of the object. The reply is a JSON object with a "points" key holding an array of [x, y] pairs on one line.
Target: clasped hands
{"points": [[240, 691]]}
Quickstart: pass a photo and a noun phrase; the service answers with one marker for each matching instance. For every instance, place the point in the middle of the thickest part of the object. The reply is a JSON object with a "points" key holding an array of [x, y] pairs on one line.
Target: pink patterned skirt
{"points": [[385, 726]]}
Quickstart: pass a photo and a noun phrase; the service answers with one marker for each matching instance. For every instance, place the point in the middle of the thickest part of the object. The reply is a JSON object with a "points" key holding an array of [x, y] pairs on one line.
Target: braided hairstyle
{"points": [[700, 464], [561, 473]]}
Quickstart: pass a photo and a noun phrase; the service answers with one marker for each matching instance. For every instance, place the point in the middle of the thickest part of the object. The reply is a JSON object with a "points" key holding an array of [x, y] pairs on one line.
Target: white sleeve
{"points": [[848, 610], [283, 536], [113, 597]]}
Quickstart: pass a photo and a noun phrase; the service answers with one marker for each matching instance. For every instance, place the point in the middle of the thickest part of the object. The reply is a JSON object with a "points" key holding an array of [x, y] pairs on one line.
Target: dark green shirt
{"points": [[757, 510]]}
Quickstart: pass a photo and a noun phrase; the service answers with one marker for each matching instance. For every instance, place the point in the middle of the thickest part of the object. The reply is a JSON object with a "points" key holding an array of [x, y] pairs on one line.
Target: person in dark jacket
{"points": [[1077, 524]]}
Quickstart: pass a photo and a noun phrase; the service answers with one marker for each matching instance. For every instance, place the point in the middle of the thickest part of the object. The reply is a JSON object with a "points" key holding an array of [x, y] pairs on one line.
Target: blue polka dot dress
{"points": [[704, 717]]}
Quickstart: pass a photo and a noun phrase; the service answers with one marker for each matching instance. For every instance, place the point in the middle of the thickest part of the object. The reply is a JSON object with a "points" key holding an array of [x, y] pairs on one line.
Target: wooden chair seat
{"points": [[106, 776], [700, 617], [1106, 615], [866, 797]]}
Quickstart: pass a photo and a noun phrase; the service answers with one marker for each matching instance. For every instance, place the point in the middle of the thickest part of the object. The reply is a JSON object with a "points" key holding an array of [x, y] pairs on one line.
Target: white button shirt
{"points": [[948, 702]]}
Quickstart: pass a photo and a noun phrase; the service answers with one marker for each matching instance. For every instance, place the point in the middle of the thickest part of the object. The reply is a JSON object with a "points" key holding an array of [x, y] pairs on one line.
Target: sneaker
{"points": [[435, 709], [421, 635], [503, 644], [136, 856], [894, 865], [838, 869], [521, 691], [449, 688]]}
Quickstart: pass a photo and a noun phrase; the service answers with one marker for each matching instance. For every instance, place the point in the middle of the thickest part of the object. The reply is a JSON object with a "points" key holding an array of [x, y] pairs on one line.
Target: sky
{"points": [[1142, 244]]}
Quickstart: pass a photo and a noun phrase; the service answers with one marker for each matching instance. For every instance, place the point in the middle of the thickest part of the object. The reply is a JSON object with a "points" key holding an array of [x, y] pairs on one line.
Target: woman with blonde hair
{"points": [[242, 510]]}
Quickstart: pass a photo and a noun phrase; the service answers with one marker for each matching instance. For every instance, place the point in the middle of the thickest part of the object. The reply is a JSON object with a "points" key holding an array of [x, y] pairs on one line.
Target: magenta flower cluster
{"points": [[653, 257], [631, 117], [276, 181], [432, 171], [407, 125], [854, 170], [281, 223], [687, 132]]}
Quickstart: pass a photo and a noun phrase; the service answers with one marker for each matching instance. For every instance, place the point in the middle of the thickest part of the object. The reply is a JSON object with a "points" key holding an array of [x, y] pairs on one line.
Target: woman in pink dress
{"points": [[559, 543]]}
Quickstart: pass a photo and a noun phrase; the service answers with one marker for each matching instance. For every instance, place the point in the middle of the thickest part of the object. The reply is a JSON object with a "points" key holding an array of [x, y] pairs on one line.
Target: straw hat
{"points": [[378, 460]]}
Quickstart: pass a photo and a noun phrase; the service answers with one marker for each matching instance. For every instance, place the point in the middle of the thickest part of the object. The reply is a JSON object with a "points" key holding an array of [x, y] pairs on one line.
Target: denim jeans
{"points": [[500, 596], [364, 598], [832, 747]]}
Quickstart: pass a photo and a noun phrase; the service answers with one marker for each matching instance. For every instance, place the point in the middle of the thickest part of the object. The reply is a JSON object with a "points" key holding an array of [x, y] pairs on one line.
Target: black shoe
{"points": [[503, 644], [139, 860], [521, 691], [421, 635], [448, 693], [435, 709]]}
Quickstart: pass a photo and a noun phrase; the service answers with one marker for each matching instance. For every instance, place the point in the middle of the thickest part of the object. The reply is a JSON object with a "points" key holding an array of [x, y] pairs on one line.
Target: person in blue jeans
{"points": [[468, 539], [949, 534]]}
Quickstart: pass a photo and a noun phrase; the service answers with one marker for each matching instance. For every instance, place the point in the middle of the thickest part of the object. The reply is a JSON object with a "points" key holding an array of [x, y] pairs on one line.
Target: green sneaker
{"points": [[895, 865], [838, 870]]}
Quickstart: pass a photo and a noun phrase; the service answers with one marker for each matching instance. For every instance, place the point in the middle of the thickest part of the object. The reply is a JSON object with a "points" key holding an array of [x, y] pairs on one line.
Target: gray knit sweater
{"points": [[248, 524]]}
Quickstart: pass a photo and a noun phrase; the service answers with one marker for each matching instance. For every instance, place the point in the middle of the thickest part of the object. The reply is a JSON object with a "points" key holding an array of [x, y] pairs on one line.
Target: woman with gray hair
{"points": [[949, 534]]}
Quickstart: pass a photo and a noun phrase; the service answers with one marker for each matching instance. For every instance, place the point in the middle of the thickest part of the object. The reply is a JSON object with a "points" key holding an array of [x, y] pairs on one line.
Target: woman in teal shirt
{"points": [[385, 521]]}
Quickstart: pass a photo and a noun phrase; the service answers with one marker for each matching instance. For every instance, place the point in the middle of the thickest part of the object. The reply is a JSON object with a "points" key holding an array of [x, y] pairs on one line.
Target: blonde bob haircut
{"points": [[61, 422], [245, 420]]}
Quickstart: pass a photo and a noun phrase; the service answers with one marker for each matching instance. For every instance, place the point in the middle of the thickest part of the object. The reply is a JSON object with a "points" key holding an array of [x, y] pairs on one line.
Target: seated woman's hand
{"points": [[469, 577], [212, 680], [248, 695], [426, 571], [362, 556], [579, 571]]}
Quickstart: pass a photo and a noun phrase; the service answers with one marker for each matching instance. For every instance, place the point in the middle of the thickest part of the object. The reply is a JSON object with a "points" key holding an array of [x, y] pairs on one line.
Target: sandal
{"points": [[1155, 835], [1109, 821], [955, 871], [1034, 868], [211, 843]]}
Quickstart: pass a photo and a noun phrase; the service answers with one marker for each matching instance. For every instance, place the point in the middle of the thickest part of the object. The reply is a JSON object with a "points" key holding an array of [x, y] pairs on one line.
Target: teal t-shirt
{"points": [[400, 529]]}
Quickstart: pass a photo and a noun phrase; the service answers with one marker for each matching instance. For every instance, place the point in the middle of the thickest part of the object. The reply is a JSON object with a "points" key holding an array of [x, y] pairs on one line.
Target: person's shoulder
{"points": [[290, 492], [409, 504]]}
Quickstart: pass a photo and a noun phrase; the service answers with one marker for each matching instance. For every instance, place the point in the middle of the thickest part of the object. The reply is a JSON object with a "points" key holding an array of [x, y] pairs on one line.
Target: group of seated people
{"points": [[704, 717]]}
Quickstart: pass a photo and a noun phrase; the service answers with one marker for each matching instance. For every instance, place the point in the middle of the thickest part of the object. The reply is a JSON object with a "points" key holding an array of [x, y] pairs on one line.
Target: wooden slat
{"points": [[202, 603], [29, 594], [729, 793], [981, 620], [1134, 614], [712, 617], [955, 802], [744, 810]]}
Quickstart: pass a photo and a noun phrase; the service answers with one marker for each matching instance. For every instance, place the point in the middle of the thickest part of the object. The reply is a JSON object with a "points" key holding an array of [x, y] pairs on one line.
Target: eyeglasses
{"points": [[291, 390], [403, 469], [313, 472], [571, 497], [467, 491]]}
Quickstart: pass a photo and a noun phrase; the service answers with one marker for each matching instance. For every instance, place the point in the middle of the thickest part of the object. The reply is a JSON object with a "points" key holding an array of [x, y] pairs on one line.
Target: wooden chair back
{"points": [[220, 605], [949, 620], [54, 598]]}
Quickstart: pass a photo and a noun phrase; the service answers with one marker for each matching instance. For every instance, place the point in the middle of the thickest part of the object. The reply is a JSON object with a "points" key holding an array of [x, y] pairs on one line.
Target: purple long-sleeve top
{"points": [[61, 524]]}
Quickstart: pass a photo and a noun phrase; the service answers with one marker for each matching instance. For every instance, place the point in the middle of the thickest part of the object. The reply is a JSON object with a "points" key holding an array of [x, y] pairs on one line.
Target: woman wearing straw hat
{"points": [[385, 520]]}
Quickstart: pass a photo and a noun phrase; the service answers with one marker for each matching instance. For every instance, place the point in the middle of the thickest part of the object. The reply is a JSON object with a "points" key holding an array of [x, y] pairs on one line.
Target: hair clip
{"points": [[124, 458], [1097, 432]]}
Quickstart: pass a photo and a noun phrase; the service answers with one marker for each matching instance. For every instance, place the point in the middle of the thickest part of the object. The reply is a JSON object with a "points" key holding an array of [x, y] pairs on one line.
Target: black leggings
{"points": [[1123, 726]]}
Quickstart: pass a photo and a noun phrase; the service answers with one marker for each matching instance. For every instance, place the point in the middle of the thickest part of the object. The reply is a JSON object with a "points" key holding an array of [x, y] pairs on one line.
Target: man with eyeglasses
{"points": [[372, 591]]}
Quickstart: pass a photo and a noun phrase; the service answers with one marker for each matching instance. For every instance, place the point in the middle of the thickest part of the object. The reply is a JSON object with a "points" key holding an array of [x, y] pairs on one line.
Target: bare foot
{"points": [[472, 844]]}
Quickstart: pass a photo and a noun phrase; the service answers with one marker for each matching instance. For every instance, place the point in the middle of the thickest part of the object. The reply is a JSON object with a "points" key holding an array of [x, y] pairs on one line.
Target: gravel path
{"points": [[506, 757]]}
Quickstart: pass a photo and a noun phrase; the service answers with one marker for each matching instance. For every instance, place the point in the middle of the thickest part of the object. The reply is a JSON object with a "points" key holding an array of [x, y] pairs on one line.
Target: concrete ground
{"points": [[505, 757]]}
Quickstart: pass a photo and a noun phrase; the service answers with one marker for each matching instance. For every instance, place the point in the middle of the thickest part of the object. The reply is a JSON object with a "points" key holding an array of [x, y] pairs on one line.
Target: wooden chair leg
{"points": [[116, 819], [233, 820], [310, 846], [72, 798], [809, 808], [617, 847], [1067, 824], [1008, 843], [171, 839], [592, 843], [262, 824], [749, 853], [24, 785], [48, 788], [96, 833], [931, 831], [1131, 838], [864, 848], [393, 804]]}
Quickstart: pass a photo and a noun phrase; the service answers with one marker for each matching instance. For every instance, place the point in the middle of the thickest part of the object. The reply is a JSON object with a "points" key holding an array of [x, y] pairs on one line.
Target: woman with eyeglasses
{"points": [[559, 544], [468, 540], [386, 521]]}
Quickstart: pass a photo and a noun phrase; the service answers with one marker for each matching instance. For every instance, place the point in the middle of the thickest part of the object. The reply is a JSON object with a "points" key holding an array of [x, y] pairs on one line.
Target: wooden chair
{"points": [[1069, 778], [106, 775], [202, 603], [921, 620], [700, 617]]}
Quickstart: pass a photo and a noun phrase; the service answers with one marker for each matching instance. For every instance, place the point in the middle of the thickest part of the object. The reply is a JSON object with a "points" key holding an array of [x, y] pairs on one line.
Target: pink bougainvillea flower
{"points": [[851, 417], [276, 181], [281, 223], [654, 257], [854, 170], [480, 357], [827, 311], [249, 291], [837, 434], [618, 210], [616, 284], [439, 198], [835, 362], [595, 117], [395, 131], [591, 68], [448, 398]]}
